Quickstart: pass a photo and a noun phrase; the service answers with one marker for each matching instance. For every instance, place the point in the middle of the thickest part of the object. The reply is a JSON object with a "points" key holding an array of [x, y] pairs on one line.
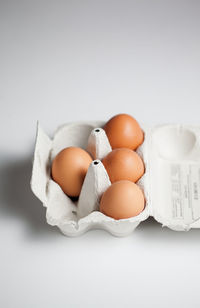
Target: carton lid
{"points": [[174, 175]]}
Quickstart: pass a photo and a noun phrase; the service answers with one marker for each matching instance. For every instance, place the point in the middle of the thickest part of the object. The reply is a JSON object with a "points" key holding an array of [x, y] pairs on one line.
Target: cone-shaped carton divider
{"points": [[98, 144], [95, 183]]}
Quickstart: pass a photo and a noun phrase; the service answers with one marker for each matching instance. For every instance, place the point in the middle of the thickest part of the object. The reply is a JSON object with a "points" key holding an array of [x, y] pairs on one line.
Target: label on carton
{"points": [[185, 191]]}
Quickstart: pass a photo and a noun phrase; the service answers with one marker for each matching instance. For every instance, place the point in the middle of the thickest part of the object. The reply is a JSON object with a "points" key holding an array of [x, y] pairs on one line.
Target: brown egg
{"points": [[123, 131], [69, 169], [123, 164], [123, 199]]}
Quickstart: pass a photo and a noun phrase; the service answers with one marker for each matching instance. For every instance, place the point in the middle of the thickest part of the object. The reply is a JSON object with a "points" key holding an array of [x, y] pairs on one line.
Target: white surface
{"points": [[63, 61]]}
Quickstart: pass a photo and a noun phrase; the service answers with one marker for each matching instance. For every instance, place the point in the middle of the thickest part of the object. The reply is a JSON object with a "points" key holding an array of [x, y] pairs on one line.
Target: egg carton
{"points": [[171, 183]]}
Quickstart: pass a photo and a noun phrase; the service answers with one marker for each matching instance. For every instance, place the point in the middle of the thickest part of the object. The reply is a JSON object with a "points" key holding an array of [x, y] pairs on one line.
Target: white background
{"points": [[64, 61]]}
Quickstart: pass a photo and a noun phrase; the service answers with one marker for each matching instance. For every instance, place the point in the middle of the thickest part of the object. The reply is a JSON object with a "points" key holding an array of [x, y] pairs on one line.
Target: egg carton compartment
{"points": [[172, 169]]}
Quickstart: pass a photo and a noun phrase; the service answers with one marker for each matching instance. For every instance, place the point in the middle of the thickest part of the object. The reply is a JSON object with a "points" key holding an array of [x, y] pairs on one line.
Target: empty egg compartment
{"points": [[74, 217], [174, 155]]}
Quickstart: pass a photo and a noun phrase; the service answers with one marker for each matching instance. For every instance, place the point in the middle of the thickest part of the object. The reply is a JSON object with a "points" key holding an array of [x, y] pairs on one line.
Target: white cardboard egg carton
{"points": [[171, 183]]}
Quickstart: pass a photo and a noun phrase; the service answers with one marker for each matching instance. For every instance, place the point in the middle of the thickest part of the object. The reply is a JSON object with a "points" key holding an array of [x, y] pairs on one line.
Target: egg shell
{"points": [[123, 164], [123, 131], [69, 169], [123, 199]]}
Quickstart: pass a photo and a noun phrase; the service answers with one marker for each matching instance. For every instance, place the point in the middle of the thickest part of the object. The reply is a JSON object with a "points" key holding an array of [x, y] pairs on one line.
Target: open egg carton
{"points": [[171, 183]]}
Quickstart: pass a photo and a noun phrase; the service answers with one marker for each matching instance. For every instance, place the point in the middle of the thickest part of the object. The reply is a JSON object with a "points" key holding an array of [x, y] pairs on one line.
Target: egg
{"points": [[123, 164], [123, 131], [69, 169], [123, 199]]}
